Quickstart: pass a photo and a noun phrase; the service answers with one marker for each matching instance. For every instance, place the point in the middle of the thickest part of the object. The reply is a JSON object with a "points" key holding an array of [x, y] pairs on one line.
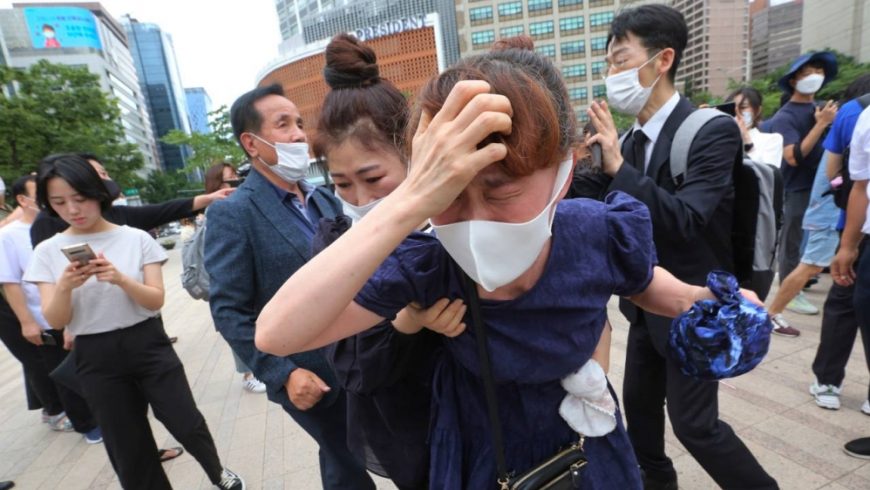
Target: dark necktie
{"points": [[639, 143]]}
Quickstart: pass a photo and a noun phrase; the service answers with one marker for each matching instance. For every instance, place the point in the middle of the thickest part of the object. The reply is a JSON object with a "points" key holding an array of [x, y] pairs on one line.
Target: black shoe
{"points": [[650, 484], [6, 485], [231, 481], [812, 282], [859, 448]]}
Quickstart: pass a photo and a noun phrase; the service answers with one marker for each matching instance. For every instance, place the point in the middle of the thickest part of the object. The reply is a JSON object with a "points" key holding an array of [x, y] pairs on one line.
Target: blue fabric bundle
{"points": [[721, 338]]}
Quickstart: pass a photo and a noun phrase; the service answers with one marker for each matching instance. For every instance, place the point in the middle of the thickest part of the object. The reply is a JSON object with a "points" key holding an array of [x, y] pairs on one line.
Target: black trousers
{"points": [[123, 372], [76, 407], [693, 407], [41, 392], [840, 326]]}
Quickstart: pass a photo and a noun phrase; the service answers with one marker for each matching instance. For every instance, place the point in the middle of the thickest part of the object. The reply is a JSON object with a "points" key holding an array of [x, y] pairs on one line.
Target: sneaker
{"points": [[802, 306], [231, 481], [865, 408], [254, 385], [827, 396], [59, 422], [94, 436], [859, 448], [45, 416], [782, 327]]}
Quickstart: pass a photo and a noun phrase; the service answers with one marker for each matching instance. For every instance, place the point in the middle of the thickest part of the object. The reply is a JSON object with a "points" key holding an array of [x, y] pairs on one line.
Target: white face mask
{"points": [[292, 163], [625, 93], [810, 84], [748, 118], [356, 213], [493, 253]]}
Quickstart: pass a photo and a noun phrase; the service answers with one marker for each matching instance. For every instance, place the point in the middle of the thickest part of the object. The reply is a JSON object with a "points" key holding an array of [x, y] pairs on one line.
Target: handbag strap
{"points": [[488, 381]]}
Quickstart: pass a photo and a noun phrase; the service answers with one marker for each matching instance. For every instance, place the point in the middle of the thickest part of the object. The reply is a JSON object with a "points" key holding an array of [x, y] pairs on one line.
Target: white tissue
{"points": [[589, 407]]}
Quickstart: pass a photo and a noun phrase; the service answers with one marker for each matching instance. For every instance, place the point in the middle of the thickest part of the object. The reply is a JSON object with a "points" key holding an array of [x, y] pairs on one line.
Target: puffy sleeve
{"points": [[631, 252], [152, 252], [410, 274]]}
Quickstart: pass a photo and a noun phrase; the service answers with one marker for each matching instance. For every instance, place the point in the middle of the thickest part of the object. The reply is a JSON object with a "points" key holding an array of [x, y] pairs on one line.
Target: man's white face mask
{"points": [[495, 253]]}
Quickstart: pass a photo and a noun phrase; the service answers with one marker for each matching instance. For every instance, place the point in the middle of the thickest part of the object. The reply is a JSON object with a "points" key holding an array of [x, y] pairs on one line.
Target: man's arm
{"points": [[842, 267], [824, 117], [30, 330], [230, 264], [708, 179], [835, 164]]}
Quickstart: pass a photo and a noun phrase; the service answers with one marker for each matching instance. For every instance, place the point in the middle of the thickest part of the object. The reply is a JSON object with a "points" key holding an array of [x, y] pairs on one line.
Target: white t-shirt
{"points": [[766, 147], [859, 157], [15, 253], [100, 306]]}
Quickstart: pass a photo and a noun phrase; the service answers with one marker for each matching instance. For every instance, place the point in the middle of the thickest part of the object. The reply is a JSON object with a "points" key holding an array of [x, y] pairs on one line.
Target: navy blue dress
{"points": [[598, 249]]}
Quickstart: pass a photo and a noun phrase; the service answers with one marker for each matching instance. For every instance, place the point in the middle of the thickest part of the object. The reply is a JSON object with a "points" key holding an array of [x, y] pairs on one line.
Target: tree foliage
{"points": [[53, 108], [208, 149], [163, 186]]}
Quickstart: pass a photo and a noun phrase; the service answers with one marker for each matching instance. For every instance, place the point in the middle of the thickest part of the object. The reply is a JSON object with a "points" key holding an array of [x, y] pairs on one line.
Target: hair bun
{"points": [[522, 42], [350, 63]]}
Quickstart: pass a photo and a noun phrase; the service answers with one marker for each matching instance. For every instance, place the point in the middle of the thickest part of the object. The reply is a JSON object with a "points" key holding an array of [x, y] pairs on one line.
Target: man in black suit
{"points": [[692, 223]]}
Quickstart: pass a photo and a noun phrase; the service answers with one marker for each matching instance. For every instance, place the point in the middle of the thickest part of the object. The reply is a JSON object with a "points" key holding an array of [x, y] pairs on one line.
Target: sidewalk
{"points": [[797, 442]]}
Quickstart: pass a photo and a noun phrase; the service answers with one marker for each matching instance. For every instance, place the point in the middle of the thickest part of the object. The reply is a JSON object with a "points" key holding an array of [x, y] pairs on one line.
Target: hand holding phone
{"points": [[80, 252]]}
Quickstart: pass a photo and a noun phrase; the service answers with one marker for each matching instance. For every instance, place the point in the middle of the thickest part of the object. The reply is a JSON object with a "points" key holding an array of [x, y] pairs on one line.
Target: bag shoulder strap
{"points": [[487, 377], [682, 144], [864, 100]]}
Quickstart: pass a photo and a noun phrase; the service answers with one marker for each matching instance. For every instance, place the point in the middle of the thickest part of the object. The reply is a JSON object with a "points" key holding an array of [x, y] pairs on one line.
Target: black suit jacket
{"points": [[692, 221]]}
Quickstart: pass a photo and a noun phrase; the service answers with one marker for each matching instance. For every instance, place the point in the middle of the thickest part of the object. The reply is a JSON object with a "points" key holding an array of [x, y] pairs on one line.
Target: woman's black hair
{"points": [[78, 173], [750, 94]]}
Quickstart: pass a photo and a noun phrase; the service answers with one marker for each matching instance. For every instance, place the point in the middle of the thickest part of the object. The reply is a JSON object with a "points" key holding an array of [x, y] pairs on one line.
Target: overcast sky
{"points": [[220, 45]]}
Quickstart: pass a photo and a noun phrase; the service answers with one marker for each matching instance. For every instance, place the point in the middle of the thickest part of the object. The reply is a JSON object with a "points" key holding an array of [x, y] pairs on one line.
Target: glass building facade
{"points": [[154, 57], [198, 107], [572, 33]]}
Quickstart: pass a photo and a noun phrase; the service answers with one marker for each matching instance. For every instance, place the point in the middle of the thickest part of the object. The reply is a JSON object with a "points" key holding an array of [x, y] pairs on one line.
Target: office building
{"points": [[413, 40], [198, 107], [572, 33], [718, 49], [842, 25], [160, 81], [775, 38], [86, 35]]}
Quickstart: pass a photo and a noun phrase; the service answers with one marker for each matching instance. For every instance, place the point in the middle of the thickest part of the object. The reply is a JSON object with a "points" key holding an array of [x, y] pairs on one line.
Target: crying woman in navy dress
{"points": [[491, 159]]}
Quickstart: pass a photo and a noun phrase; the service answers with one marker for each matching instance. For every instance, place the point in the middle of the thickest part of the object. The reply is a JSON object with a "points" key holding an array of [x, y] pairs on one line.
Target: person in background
{"points": [[692, 230], [802, 123], [223, 176], [26, 331], [759, 146], [110, 304], [254, 241]]}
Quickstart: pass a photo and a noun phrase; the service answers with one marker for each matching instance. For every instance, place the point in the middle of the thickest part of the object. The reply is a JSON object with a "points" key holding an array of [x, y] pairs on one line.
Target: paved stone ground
{"points": [[799, 443]]}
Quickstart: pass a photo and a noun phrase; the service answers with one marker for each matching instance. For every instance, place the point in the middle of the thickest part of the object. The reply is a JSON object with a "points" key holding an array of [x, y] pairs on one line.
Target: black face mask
{"points": [[113, 188]]}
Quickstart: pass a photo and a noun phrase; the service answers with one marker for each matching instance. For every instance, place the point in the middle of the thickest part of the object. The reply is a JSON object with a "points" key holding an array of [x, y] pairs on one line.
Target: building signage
{"points": [[391, 27], [62, 27]]}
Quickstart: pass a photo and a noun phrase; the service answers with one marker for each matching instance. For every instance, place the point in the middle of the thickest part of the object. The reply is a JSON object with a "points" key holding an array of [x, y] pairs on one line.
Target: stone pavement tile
{"points": [[186, 473], [249, 431], [813, 458], [855, 481], [300, 453], [273, 460], [833, 486], [86, 468], [274, 484], [248, 462], [771, 455]]}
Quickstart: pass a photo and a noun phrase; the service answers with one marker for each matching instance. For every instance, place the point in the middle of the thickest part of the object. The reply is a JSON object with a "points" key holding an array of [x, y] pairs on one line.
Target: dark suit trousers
{"points": [[840, 327], [339, 468], [124, 371], [41, 392], [693, 408]]}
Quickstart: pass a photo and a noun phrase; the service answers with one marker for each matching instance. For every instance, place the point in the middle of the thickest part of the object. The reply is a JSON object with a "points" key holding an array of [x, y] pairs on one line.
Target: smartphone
{"points": [[48, 339], [595, 149], [234, 183], [80, 252], [729, 108]]}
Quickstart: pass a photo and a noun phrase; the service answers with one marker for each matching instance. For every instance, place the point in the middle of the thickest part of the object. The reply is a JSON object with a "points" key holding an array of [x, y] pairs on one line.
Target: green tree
{"points": [[208, 149], [162, 186], [57, 108]]}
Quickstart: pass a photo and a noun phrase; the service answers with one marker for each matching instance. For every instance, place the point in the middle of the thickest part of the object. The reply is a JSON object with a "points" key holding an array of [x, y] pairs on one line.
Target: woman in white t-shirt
{"points": [[111, 306], [760, 147]]}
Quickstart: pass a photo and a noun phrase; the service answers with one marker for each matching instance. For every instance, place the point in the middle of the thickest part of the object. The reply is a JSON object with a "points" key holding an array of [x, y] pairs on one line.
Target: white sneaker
{"points": [[254, 385], [801, 305], [865, 408], [827, 396], [59, 422]]}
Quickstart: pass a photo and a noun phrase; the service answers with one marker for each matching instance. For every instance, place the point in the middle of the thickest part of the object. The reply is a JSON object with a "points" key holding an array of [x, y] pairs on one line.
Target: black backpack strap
{"points": [[486, 375], [864, 100]]}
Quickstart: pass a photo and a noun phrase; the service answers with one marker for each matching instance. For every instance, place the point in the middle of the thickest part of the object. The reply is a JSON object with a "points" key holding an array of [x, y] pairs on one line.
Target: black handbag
{"points": [[562, 471]]}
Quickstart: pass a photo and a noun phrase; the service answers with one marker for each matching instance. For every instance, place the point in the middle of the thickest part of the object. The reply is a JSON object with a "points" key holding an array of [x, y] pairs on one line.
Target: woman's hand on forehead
{"points": [[445, 155]]}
